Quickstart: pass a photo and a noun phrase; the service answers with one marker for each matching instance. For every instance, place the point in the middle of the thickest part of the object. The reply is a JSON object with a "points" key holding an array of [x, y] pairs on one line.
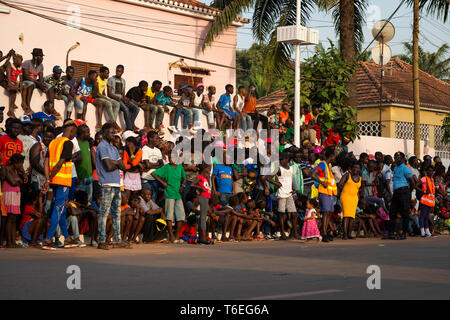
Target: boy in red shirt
{"points": [[9, 143]]}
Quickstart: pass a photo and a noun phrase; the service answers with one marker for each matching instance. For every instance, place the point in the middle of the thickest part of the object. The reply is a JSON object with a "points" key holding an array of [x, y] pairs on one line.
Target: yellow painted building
{"points": [[386, 109]]}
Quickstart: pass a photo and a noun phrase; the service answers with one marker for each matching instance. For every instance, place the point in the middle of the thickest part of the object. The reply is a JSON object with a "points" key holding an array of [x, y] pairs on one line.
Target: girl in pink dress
{"points": [[310, 229]]}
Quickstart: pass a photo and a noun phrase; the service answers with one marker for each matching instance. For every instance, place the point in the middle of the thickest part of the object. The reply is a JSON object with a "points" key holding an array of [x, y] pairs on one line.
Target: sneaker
{"points": [[49, 246], [94, 243], [103, 246], [172, 128], [70, 243], [122, 244], [59, 244], [81, 244]]}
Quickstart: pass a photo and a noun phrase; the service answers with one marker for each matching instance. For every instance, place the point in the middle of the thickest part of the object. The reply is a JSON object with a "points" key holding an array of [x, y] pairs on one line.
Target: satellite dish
{"points": [[387, 34], [381, 54]]}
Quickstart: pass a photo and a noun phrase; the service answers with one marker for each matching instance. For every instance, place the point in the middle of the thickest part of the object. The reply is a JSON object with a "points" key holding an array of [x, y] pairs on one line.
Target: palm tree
{"points": [[434, 63]]}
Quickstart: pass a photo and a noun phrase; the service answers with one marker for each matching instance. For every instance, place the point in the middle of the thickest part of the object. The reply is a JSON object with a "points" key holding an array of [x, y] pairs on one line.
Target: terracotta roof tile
{"points": [[397, 85], [276, 98]]}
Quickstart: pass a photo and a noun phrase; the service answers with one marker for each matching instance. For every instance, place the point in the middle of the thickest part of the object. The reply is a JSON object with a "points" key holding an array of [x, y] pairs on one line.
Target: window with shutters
{"points": [[82, 68], [190, 81]]}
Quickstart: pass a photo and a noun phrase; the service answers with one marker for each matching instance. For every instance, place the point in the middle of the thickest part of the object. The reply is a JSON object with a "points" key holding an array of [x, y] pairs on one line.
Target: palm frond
{"points": [[436, 8], [223, 20]]}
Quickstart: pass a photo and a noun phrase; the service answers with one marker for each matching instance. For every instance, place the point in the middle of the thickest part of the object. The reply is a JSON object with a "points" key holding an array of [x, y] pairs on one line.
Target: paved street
{"points": [[412, 269]]}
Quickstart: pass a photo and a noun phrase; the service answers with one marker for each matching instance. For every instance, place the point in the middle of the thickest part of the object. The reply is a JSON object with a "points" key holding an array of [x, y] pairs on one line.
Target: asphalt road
{"points": [[412, 269]]}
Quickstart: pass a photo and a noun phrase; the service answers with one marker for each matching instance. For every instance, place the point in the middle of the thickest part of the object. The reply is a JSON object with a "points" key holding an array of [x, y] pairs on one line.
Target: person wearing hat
{"points": [[33, 76], [401, 199], [58, 173]]}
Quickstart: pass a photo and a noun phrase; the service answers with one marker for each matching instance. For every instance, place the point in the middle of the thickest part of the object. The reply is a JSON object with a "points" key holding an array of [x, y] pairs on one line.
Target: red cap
{"points": [[79, 122]]}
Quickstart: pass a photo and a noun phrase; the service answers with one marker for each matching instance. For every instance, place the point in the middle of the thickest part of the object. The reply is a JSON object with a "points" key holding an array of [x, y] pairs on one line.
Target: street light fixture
{"points": [[297, 35]]}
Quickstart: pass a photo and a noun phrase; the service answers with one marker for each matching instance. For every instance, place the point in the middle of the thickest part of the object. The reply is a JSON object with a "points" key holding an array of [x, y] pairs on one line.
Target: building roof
{"points": [[397, 85], [188, 6], [276, 98]]}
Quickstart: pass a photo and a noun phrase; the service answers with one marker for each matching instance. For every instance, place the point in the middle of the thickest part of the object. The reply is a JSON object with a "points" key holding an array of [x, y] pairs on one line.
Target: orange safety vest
{"points": [[64, 175], [331, 188], [429, 199]]}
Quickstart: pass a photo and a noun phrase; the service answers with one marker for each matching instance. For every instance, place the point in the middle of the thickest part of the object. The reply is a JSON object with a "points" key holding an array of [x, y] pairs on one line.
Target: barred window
{"points": [[370, 128]]}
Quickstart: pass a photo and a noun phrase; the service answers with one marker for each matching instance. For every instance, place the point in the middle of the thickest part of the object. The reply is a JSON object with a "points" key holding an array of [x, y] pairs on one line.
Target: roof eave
{"points": [[184, 9]]}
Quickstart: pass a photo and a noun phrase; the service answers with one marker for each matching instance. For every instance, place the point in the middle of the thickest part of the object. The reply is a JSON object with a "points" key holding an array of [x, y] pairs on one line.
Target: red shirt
{"points": [[8, 147], [204, 183], [26, 215], [332, 139], [308, 118]]}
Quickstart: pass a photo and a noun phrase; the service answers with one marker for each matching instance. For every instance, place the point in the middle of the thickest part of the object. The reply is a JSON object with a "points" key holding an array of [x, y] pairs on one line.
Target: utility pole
{"points": [[297, 83], [416, 80]]}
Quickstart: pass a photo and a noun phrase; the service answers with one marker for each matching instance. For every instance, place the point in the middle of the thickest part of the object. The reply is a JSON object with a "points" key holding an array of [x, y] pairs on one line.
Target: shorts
{"points": [[174, 207], [231, 114], [89, 99], [48, 85], [286, 205], [225, 198], [27, 83], [326, 203]]}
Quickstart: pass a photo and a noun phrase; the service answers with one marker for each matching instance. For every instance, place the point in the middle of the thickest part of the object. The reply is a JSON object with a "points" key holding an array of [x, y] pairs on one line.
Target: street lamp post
{"points": [[297, 35]]}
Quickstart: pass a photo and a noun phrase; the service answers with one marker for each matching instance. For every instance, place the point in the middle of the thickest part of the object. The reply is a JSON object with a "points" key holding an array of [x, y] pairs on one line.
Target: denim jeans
{"points": [[246, 123], [187, 117], [86, 185], [110, 202], [158, 112], [153, 185], [130, 114], [111, 106], [72, 221], [58, 216], [424, 213]]}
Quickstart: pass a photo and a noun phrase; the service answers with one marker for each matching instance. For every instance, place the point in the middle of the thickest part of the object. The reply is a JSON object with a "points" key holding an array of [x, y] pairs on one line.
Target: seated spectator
{"points": [[33, 224], [14, 81], [137, 96], [72, 100], [116, 91], [245, 121], [226, 106], [100, 93], [33, 77], [152, 213], [47, 114], [84, 88], [156, 110]]}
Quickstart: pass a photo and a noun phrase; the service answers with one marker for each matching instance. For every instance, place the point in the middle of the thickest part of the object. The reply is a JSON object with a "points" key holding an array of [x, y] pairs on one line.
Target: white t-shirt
{"points": [[76, 148], [27, 142], [286, 182], [153, 155]]}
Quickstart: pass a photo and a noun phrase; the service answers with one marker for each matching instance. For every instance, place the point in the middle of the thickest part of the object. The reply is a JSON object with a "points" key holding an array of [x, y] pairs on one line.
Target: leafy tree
{"points": [[331, 96], [434, 63]]}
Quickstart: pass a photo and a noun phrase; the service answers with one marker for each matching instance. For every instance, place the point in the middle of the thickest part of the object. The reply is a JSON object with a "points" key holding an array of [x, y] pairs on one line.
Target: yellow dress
{"points": [[349, 197]]}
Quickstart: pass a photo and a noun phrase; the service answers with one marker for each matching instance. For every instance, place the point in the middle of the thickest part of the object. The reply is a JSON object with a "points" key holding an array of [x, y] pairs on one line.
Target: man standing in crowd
{"points": [[327, 189], [33, 77], [85, 181], [9, 143], [401, 200], [58, 173], [116, 91], [152, 158], [108, 164]]}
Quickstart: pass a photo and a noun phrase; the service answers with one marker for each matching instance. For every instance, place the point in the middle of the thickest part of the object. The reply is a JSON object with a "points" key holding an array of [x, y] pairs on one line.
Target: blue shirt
{"points": [[162, 99], [225, 102], [401, 175], [224, 178], [106, 150], [43, 116]]}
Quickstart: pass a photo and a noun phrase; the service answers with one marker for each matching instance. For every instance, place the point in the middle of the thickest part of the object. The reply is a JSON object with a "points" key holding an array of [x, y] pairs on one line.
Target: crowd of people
{"points": [[126, 186]]}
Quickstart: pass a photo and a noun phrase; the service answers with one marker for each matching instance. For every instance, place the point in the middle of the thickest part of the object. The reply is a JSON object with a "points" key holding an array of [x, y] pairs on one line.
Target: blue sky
{"points": [[434, 32]]}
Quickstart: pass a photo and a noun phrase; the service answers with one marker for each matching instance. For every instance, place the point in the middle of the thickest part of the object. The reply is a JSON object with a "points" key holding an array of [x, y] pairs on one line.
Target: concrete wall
{"points": [[162, 30]]}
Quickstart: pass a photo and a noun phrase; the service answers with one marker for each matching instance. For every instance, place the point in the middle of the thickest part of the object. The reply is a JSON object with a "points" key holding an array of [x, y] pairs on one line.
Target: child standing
{"points": [[310, 229], [172, 176], [132, 157], [11, 196]]}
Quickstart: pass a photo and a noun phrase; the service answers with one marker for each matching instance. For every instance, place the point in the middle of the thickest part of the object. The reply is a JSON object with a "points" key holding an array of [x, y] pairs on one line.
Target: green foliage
{"points": [[446, 125], [330, 96], [253, 60]]}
